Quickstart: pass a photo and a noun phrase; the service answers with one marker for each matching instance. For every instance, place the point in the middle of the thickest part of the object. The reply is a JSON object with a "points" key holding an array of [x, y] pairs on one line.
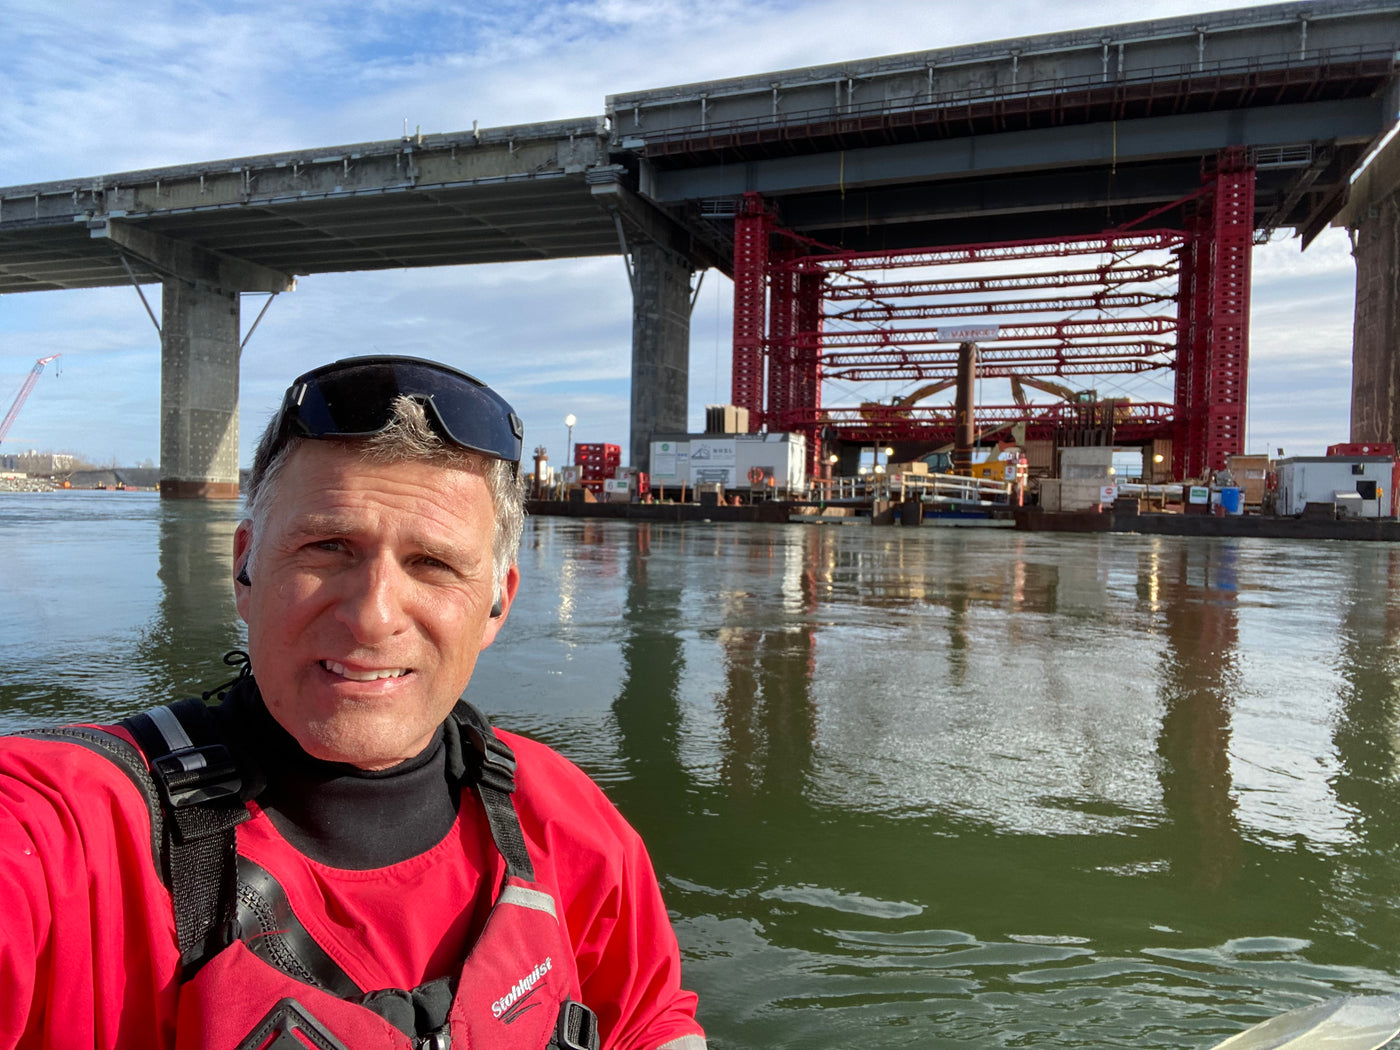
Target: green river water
{"points": [[903, 787]]}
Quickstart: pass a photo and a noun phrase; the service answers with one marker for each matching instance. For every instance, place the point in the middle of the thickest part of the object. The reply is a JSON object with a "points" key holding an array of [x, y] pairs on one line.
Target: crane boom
{"points": [[24, 388]]}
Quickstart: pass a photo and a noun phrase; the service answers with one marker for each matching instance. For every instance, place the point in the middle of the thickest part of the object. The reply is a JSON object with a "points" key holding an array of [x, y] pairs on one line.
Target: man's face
{"points": [[370, 600]]}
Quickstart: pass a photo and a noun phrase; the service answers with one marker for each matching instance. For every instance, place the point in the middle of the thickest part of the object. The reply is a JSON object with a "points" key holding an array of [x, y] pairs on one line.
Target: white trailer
{"points": [[731, 460], [1360, 485]]}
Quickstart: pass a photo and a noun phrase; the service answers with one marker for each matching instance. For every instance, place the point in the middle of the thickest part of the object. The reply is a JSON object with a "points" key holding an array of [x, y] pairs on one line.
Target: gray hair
{"points": [[408, 438]]}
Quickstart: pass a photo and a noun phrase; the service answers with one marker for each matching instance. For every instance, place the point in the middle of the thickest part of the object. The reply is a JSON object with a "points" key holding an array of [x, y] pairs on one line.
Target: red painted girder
{"points": [[915, 374], [1057, 305], [1107, 328], [1131, 433], [1088, 244], [1057, 411], [1112, 275], [935, 357]]}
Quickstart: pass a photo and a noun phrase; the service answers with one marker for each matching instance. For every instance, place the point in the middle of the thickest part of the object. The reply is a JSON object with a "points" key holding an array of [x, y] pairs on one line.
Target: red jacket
{"points": [[87, 943]]}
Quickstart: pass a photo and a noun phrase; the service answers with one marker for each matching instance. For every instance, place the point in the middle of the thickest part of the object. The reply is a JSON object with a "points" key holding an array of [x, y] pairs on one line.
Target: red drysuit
{"points": [[88, 956]]}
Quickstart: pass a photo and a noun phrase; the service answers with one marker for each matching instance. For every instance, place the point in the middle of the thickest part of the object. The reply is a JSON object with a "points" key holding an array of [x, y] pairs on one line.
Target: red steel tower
{"points": [[1149, 299]]}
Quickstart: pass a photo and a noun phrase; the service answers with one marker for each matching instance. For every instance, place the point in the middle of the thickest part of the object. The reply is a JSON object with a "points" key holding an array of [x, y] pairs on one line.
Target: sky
{"points": [[88, 88]]}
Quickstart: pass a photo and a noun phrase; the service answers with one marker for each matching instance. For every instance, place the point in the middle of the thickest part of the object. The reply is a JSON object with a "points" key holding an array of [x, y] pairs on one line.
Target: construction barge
{"points": [[1351, 493], [1027, 519]]}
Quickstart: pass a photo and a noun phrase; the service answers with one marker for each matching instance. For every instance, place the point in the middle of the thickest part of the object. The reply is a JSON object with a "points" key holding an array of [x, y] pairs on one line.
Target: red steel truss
{"points": [[1099, 275], [753, 227], [782, 342], [1212, 362], [996, 361], [802, 317]]}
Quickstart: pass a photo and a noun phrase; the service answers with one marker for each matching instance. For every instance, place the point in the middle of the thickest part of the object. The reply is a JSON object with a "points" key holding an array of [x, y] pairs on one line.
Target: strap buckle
{"points": [[497, 760], [194, 775], [577, 1028]]}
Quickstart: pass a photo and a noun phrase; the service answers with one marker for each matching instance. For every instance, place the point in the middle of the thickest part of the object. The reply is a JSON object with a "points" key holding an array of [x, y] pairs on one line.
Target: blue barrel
{"points": [[1232, 499]]}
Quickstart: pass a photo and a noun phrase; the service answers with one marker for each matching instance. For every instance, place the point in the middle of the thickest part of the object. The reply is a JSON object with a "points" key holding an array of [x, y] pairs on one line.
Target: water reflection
{"points": [[86, 603], [1366, 733], [195, 621], [647, 708], [768, 650], [1194, 589]]}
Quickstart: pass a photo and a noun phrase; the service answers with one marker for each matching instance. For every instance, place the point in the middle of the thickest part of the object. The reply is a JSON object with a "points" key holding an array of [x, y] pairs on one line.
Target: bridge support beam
{"points": [[198, 391], [660, 347], [1375, 361]]}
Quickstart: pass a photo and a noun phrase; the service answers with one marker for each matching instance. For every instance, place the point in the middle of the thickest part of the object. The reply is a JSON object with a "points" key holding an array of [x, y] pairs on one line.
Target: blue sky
{"points": [[88, 88]]}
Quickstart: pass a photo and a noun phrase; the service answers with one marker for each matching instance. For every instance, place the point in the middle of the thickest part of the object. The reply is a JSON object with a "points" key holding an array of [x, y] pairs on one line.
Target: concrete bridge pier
{"points": [[199, 354], [199, 351], [660, 346], [1371, 216], [1375, 371]]}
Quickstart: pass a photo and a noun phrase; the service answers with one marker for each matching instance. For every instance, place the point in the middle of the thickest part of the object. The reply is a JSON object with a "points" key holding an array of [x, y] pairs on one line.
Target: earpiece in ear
{"points": [[496, 609], [242, 576]]}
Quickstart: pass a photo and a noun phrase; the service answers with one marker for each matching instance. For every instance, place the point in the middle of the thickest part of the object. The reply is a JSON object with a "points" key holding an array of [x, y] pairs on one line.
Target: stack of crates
{"points": [[596, 463]]}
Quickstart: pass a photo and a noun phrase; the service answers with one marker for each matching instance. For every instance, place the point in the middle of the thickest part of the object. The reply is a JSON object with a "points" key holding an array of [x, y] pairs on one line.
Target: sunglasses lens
{"points": [[351, 402], [355, 398]]}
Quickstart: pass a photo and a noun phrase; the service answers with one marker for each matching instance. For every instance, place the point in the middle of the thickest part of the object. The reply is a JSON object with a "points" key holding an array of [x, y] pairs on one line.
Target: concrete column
{"points": [[198, 391], [660, 347], [1375, 355]]}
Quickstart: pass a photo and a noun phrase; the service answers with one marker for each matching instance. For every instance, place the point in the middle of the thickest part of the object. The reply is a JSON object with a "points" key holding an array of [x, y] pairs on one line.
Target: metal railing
{"points": [[929, 488], [1211, 76]]}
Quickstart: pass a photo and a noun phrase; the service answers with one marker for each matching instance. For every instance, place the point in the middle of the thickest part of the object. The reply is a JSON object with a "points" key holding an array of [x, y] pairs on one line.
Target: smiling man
{"points": [[341, 852]]}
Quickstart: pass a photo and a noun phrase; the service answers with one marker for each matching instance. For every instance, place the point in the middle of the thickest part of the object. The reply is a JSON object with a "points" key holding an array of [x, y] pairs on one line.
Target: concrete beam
{"points": [[1377, 181], [646, 220], [1088, 145], [190, 262]]}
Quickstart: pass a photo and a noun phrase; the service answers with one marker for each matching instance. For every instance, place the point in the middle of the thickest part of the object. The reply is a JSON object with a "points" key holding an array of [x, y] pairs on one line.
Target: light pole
{"points": [[569, 422]]}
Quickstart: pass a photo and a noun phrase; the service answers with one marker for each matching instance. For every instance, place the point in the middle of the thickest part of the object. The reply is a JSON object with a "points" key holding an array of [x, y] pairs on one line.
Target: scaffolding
{"points": [[807, 318]]}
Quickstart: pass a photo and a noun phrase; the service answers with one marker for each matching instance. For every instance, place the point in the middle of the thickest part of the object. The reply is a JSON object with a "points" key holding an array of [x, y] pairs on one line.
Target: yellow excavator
{"points": [[899, 407], [1121, 407]]}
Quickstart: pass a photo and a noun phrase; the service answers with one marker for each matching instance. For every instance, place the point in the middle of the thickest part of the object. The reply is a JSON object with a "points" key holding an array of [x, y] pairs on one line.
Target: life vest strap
{"points": [[495, 782], [201, 787], [272, 932]]}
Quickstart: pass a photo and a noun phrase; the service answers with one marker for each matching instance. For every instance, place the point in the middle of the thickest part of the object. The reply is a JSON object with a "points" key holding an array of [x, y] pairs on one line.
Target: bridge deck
{"points": [[503, 194], [1044, 136]]}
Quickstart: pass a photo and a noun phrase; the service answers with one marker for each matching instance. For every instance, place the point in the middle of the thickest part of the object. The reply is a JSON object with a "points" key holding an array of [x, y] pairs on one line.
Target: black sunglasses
{"points": [[354, 398]]}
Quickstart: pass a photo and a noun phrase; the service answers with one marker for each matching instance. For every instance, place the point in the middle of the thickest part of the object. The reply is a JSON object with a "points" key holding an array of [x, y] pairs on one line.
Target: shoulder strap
{"points": [[200, 790], [126, 758], [193, 790], [494, 779]]}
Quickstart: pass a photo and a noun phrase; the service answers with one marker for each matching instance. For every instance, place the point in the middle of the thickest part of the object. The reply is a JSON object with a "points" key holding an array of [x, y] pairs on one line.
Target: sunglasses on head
{"points": [[354, 398]]}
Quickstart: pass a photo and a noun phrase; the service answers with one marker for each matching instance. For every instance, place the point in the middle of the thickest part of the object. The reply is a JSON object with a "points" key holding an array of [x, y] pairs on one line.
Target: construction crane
{"points": [[25, 387]]}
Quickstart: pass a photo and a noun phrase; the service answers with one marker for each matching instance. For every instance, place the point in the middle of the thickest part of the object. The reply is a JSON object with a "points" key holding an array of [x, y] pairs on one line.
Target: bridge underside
{"points": [[208, 232], [1058, 136]]}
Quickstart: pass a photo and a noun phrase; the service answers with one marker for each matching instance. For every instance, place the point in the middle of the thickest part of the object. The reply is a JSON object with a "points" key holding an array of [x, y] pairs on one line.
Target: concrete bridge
{"points": [[1046, 136]]}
